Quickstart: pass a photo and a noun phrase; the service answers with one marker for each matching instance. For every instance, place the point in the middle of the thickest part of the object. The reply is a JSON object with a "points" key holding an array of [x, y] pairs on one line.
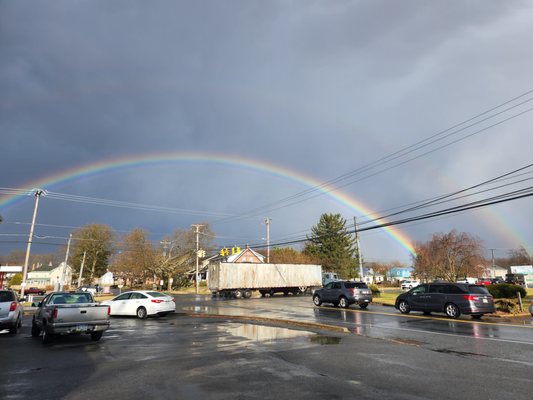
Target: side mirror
{"points": [[40, 304]]}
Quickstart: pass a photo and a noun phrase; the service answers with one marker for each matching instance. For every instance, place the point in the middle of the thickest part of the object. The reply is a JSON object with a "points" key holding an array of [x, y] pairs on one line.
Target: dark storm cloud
{"points": [[321, 87]]}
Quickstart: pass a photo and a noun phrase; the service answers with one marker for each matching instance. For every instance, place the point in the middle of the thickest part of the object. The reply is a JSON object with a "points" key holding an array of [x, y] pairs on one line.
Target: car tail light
{"points": [[108, 310], [13, 306], [54, 313], [173, 299], [157, 301], [469, 297], [352, 291]]}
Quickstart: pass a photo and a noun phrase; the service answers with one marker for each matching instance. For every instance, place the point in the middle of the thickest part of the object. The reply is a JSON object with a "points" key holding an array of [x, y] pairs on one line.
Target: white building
{"points": [[49, 275]]}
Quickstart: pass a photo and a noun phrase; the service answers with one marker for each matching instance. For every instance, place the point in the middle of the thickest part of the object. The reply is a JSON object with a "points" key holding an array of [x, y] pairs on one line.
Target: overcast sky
{"points": [[320, 88]]}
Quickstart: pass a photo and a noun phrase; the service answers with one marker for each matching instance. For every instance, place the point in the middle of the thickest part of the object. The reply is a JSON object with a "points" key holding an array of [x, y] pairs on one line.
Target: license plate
{"points": [[485, 301], [81, 328]]}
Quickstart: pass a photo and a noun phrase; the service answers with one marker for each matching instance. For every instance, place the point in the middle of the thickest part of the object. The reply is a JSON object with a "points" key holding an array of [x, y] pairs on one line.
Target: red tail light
{"points": [[108, 310], [157, 301], [469, 297], [13, 306], [173, 299], [54, 313]]}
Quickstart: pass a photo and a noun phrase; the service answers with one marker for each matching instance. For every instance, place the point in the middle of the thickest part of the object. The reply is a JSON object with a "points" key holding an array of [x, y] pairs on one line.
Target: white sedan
{"points": [[141, 303]]}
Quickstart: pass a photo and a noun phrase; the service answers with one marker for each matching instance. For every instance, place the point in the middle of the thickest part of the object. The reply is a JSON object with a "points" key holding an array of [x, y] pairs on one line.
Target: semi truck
{"points": [[239, 280]]}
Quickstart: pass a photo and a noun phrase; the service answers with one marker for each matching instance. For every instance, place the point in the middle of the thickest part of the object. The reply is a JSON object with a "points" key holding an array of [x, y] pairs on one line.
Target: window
{"points": [[419, 289], [357, 285], [124, 296], [6, 296], [137, 296], [438, 289], [452, 289], [478, 289], [156, 294], [336, 285]]}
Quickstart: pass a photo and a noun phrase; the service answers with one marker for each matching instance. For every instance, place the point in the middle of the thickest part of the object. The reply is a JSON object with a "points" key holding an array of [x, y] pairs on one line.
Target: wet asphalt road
{"points": [[184, 357]]}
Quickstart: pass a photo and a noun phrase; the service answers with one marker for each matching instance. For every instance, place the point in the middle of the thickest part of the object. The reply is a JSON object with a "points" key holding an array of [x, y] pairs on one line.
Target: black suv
{"points": [[344, 293], [453, 299]]}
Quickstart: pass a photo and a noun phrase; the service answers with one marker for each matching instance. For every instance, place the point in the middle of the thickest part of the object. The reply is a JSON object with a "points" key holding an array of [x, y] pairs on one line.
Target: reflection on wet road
{"points": [[438, 332]]}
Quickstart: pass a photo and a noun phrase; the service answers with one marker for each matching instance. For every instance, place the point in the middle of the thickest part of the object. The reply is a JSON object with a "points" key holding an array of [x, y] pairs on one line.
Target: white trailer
{"points": [[240, 279]]}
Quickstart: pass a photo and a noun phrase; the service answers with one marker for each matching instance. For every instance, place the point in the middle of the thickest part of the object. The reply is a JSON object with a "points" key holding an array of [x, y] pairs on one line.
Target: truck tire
{"points": [[237, 294], [96, 336], [47, 337], [247, 294], [35, 330]]}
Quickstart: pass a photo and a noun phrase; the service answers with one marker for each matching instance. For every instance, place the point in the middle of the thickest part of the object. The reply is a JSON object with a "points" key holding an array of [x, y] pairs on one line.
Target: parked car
{"points": [[453, 299], [409, 284], [10, 311], [69, 313], [142, 303], [33, 290], [484, 281], [344, 293], [495, 281]]}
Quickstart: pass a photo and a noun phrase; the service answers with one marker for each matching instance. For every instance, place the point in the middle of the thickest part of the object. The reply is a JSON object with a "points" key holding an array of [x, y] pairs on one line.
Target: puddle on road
{"points": [[261, 334]]}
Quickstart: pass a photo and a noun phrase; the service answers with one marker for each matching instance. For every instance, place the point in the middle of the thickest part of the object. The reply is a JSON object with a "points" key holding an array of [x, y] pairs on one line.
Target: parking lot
{"points": [[275, 348]]}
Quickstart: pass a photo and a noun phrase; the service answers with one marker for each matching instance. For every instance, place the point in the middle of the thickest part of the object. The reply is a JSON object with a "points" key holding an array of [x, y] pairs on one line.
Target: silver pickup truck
{"points": [[69, 313]]}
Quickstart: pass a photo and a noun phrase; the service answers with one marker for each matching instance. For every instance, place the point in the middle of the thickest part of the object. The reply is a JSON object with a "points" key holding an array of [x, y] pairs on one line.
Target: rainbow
{"points": [[106, 166]]}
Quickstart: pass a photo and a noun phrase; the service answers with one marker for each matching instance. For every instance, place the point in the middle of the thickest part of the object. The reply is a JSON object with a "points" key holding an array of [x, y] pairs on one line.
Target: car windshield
{"points": [[357, 285], [478, 289]]}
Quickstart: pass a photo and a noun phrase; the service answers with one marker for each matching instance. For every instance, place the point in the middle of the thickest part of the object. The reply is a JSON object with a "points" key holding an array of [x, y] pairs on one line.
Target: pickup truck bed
{"points": [[66, 313]]}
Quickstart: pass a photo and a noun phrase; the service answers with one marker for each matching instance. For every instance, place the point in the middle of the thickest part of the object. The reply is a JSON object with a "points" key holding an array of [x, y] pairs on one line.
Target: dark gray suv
{"points": [[344, 293], [453, 299]]}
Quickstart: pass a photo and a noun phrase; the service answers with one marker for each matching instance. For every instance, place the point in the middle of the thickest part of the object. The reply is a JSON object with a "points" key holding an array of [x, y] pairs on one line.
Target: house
{"points": [[50, 275], [400, 273], [106, 279], [494, 271]]}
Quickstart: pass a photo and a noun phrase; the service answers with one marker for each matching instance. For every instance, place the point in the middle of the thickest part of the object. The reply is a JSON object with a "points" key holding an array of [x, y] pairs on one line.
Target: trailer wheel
{"points": [[247, 293], [237, 294], [272, 292]]}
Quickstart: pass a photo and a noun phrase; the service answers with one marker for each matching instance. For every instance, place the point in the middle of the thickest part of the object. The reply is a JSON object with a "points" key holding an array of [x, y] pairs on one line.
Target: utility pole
{"points": [[37, 193], [358, 247], [493, 264], [65, 266], [267, 223], [197, 226], [81, 268]]}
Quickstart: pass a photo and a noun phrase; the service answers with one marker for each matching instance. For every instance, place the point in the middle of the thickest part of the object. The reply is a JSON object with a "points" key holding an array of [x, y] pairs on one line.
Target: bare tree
{"points": [[449, 256]]}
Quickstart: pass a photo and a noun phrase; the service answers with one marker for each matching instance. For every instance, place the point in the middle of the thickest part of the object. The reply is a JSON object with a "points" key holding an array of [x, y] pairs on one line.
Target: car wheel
{"points": [[343, 303], [141, 313], [35, 331], [14, 329], [476, 316], [317, 300], [96, 336], [404, 307], [363, 305], [47, 337], [452, 311]]}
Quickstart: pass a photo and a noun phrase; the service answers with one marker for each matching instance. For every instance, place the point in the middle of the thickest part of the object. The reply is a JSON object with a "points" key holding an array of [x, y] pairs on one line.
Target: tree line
{"points": [[133, 258]]}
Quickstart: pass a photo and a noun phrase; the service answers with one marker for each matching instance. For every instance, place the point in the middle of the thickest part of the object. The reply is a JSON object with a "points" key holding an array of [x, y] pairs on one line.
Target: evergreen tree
{"points": [[333, 245]]}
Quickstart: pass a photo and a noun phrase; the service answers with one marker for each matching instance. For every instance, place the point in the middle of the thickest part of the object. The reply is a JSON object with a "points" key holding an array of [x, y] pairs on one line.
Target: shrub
{"points": [[375, 290], [506, 290], [507, 306]]}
